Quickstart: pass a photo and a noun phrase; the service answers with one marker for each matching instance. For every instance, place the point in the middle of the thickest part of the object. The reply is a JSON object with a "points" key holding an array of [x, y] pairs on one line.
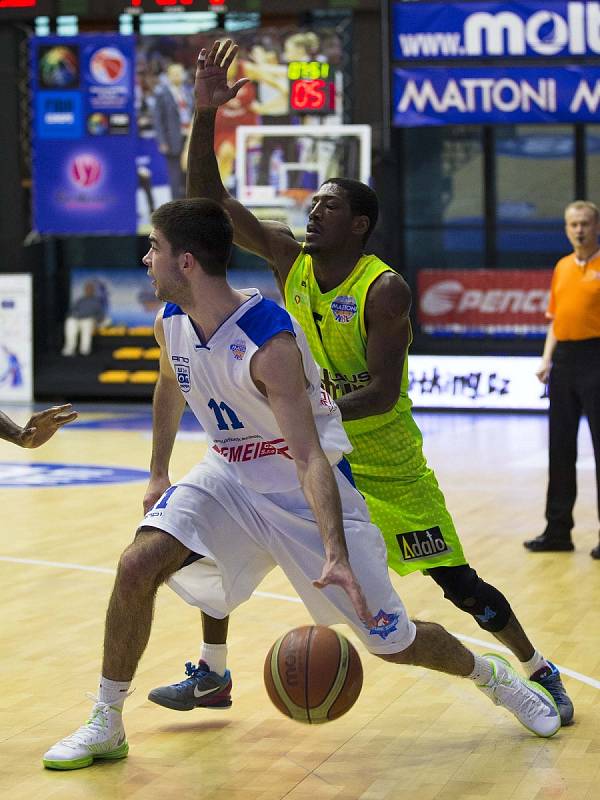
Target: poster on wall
{"points": [[84, 134], [129, 299], [288, 70], [16, 338]]}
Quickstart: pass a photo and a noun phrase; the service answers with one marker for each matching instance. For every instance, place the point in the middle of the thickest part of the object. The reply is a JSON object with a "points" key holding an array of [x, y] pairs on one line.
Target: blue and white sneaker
{"points": [[549, 678], [102, 736], [203, 688], [532, 704]]}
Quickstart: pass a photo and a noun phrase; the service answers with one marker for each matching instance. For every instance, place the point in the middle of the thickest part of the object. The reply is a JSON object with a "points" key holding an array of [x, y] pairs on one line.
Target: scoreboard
{"points": [[312, 87], [108, 9]]}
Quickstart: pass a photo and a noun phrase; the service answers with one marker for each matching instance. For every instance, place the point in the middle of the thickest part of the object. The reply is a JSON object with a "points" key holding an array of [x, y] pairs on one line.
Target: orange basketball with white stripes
{"points": [[313, 674]]}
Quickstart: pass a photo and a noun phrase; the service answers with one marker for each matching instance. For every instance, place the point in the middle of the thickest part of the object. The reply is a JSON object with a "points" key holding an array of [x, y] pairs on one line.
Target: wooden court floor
{"points": [[412, 734]]}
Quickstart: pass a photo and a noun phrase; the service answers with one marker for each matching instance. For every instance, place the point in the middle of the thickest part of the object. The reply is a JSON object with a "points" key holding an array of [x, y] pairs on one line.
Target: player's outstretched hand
{"points": [[210, 88], [43, 425], [339, 573]]}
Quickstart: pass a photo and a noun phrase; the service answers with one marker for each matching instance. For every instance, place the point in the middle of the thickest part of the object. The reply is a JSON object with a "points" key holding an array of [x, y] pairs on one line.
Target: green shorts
{"points": [[403, 496]]}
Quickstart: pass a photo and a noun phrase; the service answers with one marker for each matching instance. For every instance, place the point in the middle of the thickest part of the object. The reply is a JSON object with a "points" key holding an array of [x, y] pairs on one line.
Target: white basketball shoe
{"points": [[102, 736], [531, 704]]}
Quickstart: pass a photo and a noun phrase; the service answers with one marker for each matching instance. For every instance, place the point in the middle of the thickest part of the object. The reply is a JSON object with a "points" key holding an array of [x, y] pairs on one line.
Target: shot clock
{"points": [[312, 87]]}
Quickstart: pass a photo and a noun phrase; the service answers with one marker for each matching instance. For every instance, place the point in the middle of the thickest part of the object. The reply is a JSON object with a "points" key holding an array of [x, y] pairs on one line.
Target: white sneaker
{"points": [[102, 736], [531, 704]]}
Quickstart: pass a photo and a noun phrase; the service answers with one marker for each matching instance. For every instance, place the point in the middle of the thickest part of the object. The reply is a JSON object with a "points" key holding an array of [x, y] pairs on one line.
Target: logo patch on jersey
{"points": [[238, 348], [344, 308], [422, 544], [182, 372], [386, 624]]}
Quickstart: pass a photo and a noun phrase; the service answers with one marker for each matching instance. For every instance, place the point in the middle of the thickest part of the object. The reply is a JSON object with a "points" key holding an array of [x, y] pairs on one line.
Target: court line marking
{"points": [[578, 676]]}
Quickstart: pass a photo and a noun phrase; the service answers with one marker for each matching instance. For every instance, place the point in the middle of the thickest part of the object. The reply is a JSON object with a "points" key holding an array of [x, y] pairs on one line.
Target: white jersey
{"points": [[244, 439]]}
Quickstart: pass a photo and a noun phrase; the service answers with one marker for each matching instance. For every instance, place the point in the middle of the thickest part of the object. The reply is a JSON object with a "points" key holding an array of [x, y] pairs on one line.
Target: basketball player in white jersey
{"points": [[274, 489]]}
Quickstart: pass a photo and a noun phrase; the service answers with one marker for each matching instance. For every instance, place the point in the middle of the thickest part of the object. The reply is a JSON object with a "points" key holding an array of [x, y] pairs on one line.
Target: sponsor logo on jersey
{"points": [[238, 348], [343, 308], [422, 544], [337, 385], [327, 402], [386, 624], [182, 372], [253, 450]]}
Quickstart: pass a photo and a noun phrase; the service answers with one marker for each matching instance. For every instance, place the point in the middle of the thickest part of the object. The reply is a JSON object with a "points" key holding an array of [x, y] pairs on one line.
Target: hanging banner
{"points": [[84, 140], [550, 29], [483, 301], [490, 95], [16, 338]]}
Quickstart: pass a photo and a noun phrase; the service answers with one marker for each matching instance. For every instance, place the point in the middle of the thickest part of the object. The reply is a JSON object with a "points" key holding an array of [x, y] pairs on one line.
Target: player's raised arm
{"points": [[278, 372], [270, 240]]}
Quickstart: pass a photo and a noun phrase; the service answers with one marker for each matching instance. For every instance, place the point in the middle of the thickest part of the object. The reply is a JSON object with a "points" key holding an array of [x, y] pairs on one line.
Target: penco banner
{"points": [[496, 302], [551, 29], [84, 142], [485, 95]]}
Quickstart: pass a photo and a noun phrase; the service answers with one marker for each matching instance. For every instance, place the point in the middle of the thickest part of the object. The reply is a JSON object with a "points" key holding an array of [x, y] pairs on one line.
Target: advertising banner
{"points": [[491, 95], [84, 134], [550, 29], [498, 301], [475, 382], [16, 339], [129, 298]]}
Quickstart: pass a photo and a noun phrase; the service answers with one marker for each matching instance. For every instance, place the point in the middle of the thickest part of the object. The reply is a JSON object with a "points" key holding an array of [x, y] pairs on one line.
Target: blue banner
{"points": [[488, 95], [85, 139], [554, 28]]}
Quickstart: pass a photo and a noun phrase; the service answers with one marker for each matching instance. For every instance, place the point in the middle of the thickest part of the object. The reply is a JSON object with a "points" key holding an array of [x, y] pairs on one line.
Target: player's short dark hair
{"points": [[362, 199], [198, 226]]}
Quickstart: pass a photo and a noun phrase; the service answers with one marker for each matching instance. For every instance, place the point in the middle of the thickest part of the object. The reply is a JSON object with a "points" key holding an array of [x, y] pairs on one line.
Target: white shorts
{"points": [[244, 534]]}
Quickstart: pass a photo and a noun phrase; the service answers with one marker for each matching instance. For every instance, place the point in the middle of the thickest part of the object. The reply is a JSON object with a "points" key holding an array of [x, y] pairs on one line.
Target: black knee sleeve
{"points": [[463, 587]]}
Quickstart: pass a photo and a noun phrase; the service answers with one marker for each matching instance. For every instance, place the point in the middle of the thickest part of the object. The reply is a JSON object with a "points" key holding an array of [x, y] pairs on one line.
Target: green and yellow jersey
{"points": [[387, 460]]}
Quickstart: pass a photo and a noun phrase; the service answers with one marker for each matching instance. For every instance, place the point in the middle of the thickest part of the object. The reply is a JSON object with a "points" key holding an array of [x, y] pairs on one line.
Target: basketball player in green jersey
{"points": [[354, 309]]}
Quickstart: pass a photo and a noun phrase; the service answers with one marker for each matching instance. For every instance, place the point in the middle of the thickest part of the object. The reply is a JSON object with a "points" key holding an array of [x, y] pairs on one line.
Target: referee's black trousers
{"points": [[574, 390]]}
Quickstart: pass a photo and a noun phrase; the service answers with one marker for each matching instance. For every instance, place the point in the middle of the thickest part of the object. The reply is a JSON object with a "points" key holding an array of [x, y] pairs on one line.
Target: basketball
{"points": [[313, 674]]}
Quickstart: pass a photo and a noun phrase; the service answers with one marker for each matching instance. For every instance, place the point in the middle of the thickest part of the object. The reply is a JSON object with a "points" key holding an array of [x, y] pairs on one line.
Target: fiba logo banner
{"points": [[108, 65], [85, 170], [343, 308], [475, 30]]}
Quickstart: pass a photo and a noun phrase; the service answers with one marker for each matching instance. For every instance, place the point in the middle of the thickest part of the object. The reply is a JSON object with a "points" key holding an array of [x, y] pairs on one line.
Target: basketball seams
{"points": [[309, 639], [320, 713], [296, 712]]}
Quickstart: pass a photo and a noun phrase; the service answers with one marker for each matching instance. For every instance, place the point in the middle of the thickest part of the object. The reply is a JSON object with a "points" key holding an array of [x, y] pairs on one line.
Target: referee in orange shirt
{"points": [[571, 367]]}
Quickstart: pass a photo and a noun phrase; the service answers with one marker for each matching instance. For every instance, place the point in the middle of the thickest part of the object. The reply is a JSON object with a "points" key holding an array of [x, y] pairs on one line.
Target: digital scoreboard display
{"points": [[312, 87]]}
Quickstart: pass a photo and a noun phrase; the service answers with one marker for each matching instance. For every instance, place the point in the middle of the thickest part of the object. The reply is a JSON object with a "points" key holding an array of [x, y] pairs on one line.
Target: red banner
{"points": [[502, 300]]}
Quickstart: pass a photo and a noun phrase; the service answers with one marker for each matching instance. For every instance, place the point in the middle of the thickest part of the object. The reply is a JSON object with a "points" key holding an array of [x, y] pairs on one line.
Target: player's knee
{"points": [[142, 566], [462, 586]]}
